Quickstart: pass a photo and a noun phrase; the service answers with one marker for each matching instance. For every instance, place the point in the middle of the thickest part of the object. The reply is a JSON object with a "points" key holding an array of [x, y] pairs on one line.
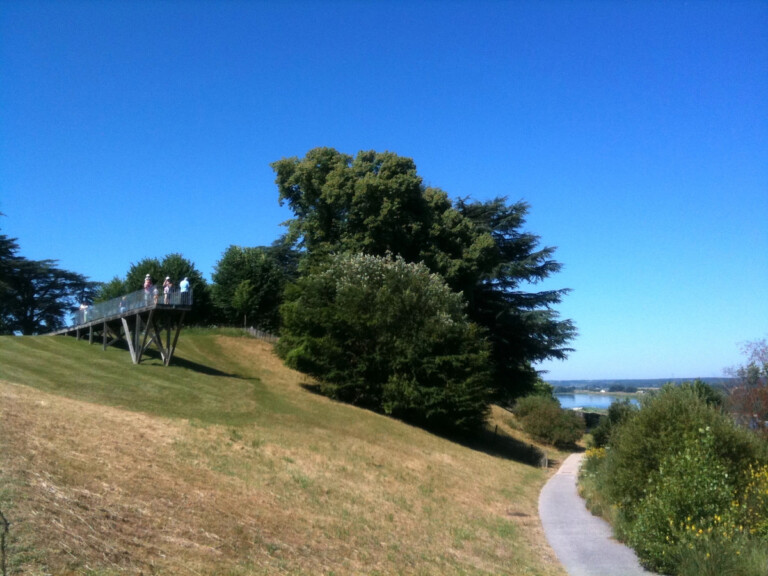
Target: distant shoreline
{"points": [[606, 393], [634, 382]]}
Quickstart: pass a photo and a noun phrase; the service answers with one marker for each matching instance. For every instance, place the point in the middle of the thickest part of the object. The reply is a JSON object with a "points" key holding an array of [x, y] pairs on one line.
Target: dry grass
{"points": [[308, 486]]}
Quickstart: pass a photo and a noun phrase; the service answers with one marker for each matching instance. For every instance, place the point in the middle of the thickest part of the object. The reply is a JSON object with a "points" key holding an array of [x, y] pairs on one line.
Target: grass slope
{"points": [[224, 463]]}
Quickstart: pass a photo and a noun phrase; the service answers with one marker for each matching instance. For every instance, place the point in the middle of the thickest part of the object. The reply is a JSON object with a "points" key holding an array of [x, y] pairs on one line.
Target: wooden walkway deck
{"points": [[139, 328]]}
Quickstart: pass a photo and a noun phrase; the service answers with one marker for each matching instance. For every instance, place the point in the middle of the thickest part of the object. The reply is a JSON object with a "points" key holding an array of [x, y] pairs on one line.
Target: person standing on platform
{"points": [[147, 289], [167, 286], [184, 287]]}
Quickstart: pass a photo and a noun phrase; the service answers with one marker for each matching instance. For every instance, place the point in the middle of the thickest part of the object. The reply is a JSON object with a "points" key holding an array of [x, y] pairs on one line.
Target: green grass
{"points": [[198, 386], [224, 463]]}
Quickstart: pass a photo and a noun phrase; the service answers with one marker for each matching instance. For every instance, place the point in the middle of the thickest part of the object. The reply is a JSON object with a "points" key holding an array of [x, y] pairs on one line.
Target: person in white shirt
{"points": [[184, 287]]}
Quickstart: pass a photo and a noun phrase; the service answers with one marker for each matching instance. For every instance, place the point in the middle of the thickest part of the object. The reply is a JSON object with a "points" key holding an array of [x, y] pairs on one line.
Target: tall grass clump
{"points": [[592, 484], [685, 487]]}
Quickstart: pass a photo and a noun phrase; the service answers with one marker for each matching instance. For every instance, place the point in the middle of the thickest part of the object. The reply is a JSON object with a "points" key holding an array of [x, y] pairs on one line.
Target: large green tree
{"points": [[376, 203], [388, 335], [248, 284], [522, 324], [115, 288], [9, 261], [176, 267], [36, 295]]}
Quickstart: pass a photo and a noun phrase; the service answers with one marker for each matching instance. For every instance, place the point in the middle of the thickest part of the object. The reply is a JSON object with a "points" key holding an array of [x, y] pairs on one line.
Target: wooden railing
{"points": [[139, 300]]}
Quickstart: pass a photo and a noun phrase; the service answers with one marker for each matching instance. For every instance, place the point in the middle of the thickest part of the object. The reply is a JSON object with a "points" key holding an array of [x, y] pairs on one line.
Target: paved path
{"points": [[583, 543]]}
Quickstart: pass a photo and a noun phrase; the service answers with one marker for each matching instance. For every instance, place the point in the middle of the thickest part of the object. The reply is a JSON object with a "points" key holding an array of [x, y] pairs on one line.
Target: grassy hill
{"points": [[226, 463]]}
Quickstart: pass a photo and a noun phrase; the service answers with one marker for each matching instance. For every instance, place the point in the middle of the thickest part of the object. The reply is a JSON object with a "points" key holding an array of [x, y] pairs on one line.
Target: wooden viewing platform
{"points": [[138, 319]]}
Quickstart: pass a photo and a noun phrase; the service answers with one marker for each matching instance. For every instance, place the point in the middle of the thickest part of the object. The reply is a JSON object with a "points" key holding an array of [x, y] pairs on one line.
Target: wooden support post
{"points": [[172, 349], [147, 324], [110, 335], [137, 337], [104, 336], [159, 341], [90, 334], [168, 324], [129, 339]]}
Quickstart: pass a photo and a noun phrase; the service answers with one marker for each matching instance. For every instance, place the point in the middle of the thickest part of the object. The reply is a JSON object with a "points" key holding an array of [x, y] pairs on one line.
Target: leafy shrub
{"points": [[696, 520], [618, 412], [685, 483], [754, 503], [542, 388], [688, 499], [391, 336], [658, 430], [543, 418], [711, 395]]}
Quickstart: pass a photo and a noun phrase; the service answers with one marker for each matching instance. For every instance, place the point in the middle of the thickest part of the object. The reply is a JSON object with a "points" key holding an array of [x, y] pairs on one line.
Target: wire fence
{"points": [[261, 335], [156, 297]]}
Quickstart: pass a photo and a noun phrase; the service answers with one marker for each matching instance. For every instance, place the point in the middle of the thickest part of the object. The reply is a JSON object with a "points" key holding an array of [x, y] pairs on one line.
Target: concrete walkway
{"points": [[584, 544]]}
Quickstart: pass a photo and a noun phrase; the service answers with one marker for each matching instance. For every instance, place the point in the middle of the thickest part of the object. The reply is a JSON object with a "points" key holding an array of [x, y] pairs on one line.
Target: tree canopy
{"points": [[36, 295], [8, 263], [377, 204], [176, 267], [522, 324], [249, 282]]}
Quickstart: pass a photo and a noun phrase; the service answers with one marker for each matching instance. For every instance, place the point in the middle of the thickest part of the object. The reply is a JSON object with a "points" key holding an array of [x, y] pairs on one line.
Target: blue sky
{"points": [[637, 132]]}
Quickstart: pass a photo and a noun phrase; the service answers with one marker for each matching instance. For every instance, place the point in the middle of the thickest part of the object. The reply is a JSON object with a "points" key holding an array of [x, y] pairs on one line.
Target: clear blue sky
{"points": [[637, 131]]}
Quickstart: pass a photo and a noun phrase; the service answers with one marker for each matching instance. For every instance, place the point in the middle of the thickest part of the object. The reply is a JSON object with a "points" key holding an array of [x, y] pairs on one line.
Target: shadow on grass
{"points": [[491, 442], [501, 445], [187, 364], [202, 368]]}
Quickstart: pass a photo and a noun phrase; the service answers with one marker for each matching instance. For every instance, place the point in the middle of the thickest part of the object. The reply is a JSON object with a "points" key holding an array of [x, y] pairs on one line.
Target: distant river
{"points": [[577, 400]]}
